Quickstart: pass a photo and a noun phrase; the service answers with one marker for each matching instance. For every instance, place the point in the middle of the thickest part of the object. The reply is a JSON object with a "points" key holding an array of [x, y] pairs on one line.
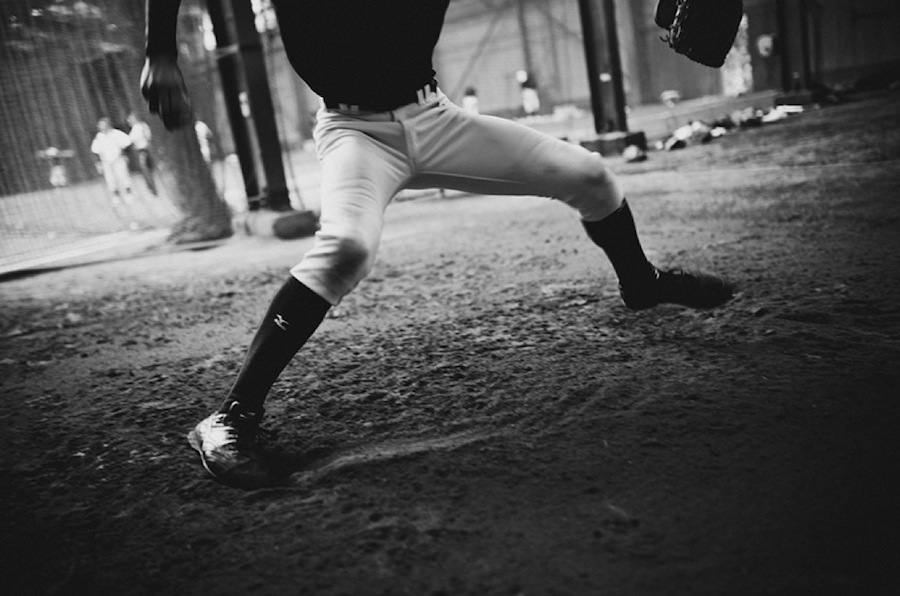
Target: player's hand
{"points": [[162, 85]]}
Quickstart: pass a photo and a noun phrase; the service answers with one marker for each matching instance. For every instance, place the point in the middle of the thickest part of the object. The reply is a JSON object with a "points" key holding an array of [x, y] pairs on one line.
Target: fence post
{"points": [[228, 61], [242, 68], [610, 120], [586, 11], [260, 98]]}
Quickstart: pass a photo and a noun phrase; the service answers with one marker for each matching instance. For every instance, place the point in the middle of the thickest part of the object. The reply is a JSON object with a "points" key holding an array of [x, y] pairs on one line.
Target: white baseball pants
{"points": [[116, 175], [367, 158]]}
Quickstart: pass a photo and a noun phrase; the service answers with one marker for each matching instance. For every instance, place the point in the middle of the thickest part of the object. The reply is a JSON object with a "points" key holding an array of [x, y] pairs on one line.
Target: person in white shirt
{"points": [[140, 136], [470, 101], [109, 145], [531, 101], [204, 136]]}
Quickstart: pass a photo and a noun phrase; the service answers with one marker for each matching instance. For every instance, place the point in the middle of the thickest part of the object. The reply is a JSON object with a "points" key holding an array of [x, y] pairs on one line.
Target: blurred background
{"points": [[574, 68]]}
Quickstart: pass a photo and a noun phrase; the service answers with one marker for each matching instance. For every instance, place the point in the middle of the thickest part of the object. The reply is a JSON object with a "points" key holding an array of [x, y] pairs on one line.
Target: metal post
{"points": [[615, 66], [783, 47], [260, 98], [609, 111], [228, 61], [523, 32], [586, 12], [806, 50]]}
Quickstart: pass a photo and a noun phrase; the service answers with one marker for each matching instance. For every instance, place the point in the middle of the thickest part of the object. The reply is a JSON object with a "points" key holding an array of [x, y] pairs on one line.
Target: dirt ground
{"points": [[482, 416]]}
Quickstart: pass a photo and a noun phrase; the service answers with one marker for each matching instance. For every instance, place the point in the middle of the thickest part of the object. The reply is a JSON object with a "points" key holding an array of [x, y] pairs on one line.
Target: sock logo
{"points": [[281, 322]]}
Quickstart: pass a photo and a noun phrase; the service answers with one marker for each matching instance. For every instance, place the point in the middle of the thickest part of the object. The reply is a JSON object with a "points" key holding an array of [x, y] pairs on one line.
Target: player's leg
{"points": [[492, 155], [358, 180], [227, 439], [145, 160], [356, 186], [122, 177], [109, 178]]}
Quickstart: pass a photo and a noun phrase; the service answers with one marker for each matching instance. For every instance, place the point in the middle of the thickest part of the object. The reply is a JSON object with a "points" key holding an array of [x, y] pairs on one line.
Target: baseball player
{"points": [[384, 125], [140, 136], [109, 146]]}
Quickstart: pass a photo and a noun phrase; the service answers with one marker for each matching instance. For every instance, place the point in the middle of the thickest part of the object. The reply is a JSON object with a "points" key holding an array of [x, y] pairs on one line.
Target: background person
{"points": [[531, 101], [204, 137], [140, 136], [470, 101], [109, 146]]}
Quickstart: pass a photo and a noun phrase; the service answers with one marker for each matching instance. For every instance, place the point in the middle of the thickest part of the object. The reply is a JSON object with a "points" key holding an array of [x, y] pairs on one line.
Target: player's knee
{"points": [[595, 175], [352, 258], [597, 192]]}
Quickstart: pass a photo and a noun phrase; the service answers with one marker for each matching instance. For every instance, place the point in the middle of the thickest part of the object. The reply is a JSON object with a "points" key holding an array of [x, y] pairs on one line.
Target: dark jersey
{"points": [[363, 52]]}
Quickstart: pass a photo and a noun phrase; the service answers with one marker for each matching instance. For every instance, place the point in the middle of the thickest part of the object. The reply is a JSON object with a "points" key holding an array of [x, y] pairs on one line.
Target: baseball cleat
{"points": [[228, 444], [694, 289]]}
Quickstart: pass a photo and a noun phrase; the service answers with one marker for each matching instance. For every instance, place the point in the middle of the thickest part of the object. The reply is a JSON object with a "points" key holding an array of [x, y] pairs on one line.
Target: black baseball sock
{"points": [[617, 236], [293, 315]]}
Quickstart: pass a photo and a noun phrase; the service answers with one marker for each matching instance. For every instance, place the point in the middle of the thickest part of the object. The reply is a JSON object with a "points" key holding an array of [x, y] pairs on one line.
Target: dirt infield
{"points": [[483, 417]]}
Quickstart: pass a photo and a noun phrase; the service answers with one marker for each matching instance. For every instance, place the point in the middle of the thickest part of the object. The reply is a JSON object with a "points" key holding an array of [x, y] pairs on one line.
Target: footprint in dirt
{"points": [[301, 469]]}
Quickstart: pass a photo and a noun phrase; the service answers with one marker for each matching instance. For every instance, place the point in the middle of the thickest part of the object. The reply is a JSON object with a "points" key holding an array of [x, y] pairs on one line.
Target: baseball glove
{"points": [[702, 30]]}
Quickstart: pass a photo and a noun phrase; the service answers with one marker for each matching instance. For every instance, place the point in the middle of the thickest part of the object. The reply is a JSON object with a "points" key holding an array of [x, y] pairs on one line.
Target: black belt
{"points": [[419, 96]]}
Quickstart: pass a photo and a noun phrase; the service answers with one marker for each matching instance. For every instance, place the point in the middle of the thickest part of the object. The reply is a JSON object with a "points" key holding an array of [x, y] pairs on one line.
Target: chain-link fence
{"points": [[82, 172], [64, 67]]}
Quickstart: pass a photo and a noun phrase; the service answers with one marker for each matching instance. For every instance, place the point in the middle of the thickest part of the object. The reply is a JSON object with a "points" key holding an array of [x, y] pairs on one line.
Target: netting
{"points": [[67, 64], [64, 67], [70, 186]]}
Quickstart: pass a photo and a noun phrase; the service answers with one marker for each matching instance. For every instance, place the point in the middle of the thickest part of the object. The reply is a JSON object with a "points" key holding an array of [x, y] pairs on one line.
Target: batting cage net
{"points": [[69, 91], [82, 170], [63, 67]]}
